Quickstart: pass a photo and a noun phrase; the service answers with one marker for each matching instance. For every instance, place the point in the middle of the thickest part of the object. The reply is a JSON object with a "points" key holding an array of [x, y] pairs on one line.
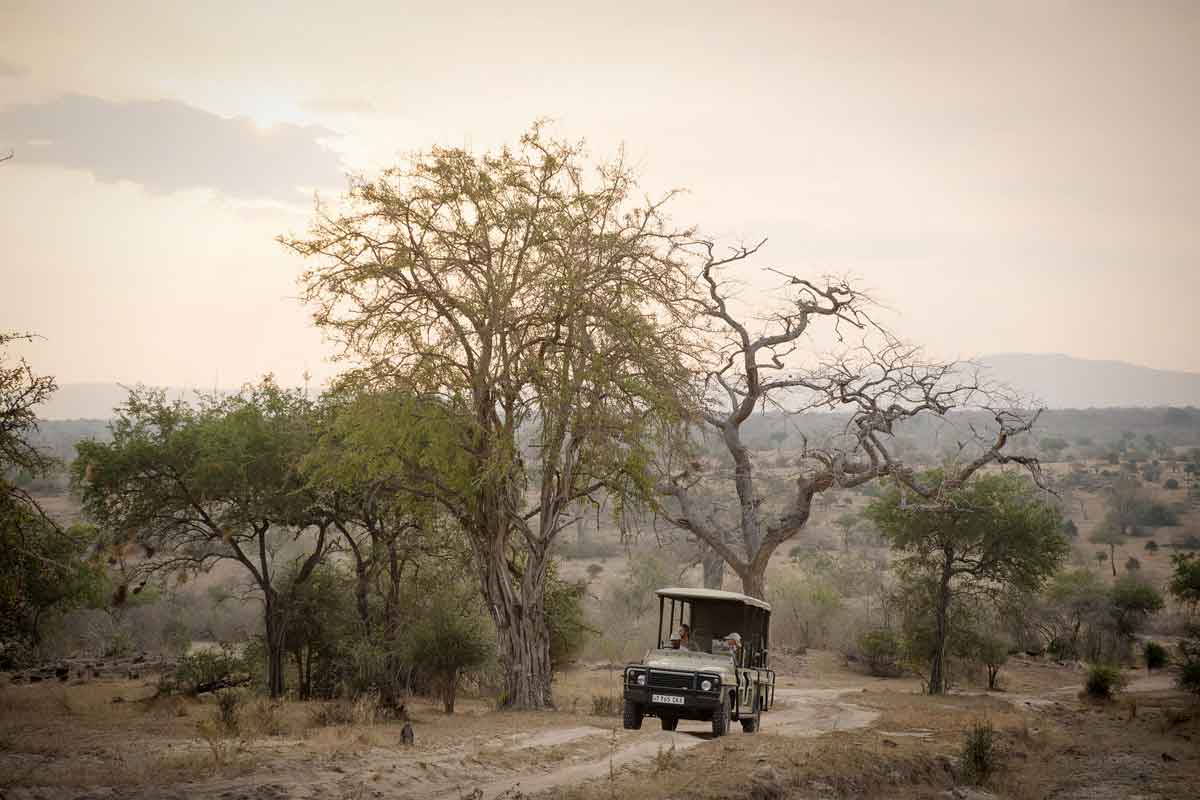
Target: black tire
{"points": [[632, 717], [670, 723], [720, 718], [752, 723]]}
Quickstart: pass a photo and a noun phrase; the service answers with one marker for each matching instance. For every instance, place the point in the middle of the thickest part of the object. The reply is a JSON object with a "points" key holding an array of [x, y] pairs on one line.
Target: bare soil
{"points": [[834, 733]]}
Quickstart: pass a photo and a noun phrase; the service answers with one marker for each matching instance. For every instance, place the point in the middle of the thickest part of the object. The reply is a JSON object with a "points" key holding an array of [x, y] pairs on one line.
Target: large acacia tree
{"points": [[533, 296], [990, 535], [766, 360], [181, 488]]}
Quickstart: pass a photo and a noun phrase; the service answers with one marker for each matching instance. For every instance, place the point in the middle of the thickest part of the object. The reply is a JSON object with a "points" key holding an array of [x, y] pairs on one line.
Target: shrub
{"points": [[880, 650], [1171, 483], [1132, 564], [206, 669], [1062, 649], [1152, 547], [228, 712], [332, 714], [979, 753], [606, 705], [1189, 677], [1103, 681], [1155, 655]]}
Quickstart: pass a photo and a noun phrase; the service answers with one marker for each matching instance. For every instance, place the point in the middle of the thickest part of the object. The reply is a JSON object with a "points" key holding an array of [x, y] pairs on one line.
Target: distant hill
{"points": [[1061, 381]]}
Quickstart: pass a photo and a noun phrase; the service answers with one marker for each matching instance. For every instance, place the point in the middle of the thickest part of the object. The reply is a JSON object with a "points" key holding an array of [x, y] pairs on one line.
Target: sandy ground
{"points": [[74, 741]]}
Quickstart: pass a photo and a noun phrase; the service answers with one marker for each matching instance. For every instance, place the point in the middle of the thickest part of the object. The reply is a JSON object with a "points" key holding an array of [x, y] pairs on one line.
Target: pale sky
{"points": [[1006, 177]]}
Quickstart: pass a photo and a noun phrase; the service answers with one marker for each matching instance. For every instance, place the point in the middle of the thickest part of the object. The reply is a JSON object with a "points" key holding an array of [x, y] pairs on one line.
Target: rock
{"points": [[1168, 757]]}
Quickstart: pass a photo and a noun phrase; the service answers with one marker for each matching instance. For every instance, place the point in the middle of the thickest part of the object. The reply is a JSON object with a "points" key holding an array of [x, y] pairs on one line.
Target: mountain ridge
{"points": [[1057, 380]]}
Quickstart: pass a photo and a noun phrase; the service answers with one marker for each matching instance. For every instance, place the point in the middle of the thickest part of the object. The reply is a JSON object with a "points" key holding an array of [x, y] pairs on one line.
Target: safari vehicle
{"points": [[704, 679]]}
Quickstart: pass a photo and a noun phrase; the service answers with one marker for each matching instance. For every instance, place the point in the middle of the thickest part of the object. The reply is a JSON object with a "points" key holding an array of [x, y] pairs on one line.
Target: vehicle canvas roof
{"points": [[682, 593]]}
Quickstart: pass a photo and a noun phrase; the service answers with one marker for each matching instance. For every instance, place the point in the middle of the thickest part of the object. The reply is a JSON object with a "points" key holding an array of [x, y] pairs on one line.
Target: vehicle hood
{"points": [[687, 660]]}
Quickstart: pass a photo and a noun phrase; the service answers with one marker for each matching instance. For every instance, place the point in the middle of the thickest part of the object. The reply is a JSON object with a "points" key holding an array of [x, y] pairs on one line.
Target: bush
{"points": [[1189, 677], [447, 643], [880, 650], [606, 705], [207, 669], [229, 708], [979, 753], [1103, 682], [1171, 484], [1155, 655]]}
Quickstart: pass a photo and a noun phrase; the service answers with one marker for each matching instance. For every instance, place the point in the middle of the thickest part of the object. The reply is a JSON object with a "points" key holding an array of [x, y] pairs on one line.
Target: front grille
{"points": [[669, 680]]}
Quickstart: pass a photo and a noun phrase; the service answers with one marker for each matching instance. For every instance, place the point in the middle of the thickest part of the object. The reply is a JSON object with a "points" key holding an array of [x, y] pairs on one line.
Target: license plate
{"points": [[668, 699]]}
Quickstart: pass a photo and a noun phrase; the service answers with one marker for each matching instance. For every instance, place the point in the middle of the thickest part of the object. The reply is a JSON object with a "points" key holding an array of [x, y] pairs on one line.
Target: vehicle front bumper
{"points": [[695, 703]]}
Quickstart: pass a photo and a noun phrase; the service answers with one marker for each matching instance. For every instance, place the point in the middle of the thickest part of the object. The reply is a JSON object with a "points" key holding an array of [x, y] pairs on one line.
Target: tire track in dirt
{"points": [[799, 713]]}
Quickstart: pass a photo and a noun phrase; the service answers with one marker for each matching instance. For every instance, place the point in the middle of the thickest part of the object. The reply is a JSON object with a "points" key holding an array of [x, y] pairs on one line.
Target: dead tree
{"points": [[880, 382]]}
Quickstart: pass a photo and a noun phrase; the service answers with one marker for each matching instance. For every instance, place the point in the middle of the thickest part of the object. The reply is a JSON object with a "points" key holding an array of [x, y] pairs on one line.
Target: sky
{"points": [[1003, 177]]}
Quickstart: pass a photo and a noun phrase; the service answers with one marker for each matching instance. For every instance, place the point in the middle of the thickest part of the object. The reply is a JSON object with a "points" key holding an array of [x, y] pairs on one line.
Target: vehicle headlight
{"points": [[641, 679], [706, 685]]}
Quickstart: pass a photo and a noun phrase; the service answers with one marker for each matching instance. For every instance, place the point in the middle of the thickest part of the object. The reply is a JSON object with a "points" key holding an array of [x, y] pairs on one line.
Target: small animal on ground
{"points": [[406, 735]]}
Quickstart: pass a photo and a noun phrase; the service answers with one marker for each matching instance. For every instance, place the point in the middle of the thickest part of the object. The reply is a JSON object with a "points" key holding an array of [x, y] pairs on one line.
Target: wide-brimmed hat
{"points": [[733, 636]]}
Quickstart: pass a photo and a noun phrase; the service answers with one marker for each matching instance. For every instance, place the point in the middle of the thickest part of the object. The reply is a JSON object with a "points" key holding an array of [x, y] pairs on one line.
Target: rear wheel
{"points": [[670, 723], [752, 723], [632, 717], [720, 718]]}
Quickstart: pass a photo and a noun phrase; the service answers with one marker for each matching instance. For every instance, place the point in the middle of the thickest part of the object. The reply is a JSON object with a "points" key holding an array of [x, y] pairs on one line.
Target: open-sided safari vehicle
{"points": [[704, 678]]}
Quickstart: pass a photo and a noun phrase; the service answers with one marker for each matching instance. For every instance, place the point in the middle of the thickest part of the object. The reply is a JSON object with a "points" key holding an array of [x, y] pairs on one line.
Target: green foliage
{"points": [[979, 754], [1132, 564], [1132, 601], [1151, 547], [445, 643], [564, 618], [228, 711], [207, 668], [880, 649], [991, 536], [1185, 580], [1171, 484], [991, 651], [1155, 655], [1070, 530], [1103, 681]]}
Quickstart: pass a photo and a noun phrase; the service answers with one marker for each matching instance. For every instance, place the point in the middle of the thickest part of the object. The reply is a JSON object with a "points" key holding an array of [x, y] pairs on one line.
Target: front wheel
{"points": [[720, 718], [632, 717], [670, 723]]}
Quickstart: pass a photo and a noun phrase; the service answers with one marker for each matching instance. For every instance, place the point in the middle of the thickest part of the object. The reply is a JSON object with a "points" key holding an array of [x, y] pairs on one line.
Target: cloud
{"points": [[339, 105], [168, 146]]}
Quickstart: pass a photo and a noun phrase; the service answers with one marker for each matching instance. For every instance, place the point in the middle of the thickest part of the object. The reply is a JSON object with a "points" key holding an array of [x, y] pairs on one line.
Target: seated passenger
{"points": [[685, 637]]}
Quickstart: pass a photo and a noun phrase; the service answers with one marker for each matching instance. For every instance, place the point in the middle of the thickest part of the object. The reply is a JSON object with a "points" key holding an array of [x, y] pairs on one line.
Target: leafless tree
{"points": [[880, 381]]}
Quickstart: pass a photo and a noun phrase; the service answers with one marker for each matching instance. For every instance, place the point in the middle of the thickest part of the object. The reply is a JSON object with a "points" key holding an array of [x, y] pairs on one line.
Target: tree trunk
{"points": [[754, 583], [275, 650], [714, 567], [391, 692], [1112, 558], [450, 692], [522, 636], [937, 670]]}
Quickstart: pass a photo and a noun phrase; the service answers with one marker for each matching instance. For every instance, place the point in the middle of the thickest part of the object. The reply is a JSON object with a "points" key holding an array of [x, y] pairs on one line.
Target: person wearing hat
{"points": [[734, 642]]}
